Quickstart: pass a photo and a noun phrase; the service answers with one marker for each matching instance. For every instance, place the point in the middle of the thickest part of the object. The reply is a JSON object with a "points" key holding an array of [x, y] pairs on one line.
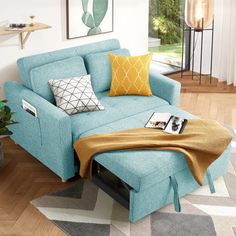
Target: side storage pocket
{"points": [[27, 132]]}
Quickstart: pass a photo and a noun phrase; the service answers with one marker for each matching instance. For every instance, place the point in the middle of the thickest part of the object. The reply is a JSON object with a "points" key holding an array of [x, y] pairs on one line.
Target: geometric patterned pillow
{"points": [[74, 95], [130, 75]]}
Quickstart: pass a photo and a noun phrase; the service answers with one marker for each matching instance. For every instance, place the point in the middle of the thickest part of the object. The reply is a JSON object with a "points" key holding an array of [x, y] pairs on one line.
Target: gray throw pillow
{"points": [[75, 95]]}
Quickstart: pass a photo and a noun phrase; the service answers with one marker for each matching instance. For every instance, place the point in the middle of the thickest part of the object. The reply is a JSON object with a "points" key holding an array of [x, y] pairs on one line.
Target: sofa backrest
{"points": [[27, 64], [99, 66], [62, 69]]}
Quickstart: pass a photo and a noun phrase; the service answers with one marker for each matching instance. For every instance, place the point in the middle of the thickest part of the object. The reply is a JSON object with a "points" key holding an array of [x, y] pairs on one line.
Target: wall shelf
{"points": [[23, 33]]}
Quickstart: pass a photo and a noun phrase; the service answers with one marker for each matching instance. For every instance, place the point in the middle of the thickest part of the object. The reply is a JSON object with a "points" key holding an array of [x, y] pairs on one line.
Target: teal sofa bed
{"points": [[143, 181]]}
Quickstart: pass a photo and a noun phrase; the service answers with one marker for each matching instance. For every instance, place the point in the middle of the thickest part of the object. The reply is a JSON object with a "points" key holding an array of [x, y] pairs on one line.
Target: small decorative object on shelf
{"points": [[32, 20], [5, 120], [23, 30], [17, 26]]}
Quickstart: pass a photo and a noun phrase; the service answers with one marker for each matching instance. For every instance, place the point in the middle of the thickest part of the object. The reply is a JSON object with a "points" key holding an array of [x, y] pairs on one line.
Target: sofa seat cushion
{"points": [[116, 108], [140, 169]]}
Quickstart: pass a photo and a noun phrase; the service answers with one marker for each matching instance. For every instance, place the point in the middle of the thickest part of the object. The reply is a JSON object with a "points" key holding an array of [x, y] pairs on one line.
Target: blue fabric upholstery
{"points": [[164, 87], [39, 76], [160, 194], [26, 64], [134, 121], [210, 182], [116, 108], [175, 187], [99, 67], [48, 136]]}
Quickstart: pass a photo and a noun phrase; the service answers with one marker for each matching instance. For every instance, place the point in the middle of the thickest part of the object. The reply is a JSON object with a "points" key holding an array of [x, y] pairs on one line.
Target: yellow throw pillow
{"points": [[130, 75]]}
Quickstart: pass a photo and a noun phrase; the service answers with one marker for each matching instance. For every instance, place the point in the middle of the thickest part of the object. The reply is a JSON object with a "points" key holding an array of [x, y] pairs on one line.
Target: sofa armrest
{"points": [[52, 119], [48, 136], [46, 111], [164, 87]]}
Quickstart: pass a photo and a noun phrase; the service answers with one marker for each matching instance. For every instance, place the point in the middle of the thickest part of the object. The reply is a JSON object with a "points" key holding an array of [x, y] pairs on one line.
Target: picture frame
{"points": [[89, 17]]}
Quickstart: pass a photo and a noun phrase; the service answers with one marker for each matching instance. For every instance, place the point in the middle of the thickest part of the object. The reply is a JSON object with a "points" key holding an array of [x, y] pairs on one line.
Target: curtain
{"points": [[224, 63]]}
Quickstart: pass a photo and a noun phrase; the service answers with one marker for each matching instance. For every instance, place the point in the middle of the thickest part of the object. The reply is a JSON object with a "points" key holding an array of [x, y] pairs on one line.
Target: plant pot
{"points": [[1, 154]]}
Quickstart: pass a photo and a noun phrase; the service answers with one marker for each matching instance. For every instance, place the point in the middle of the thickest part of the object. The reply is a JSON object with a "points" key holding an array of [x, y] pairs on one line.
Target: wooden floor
{"points": [[22, 178], [192, 85]]}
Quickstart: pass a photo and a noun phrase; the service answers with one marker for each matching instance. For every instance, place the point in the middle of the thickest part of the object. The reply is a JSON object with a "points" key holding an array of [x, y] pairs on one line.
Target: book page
{"points": [[158, 120], [175, 125]]}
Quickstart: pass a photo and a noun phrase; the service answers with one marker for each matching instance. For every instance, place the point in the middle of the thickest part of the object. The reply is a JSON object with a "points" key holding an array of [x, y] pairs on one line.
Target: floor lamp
{"points": [[199, 14]]}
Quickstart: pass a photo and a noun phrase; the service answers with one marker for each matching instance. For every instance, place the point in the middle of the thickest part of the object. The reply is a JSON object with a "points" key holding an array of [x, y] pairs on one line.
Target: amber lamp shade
{"points": [[199, 13]]}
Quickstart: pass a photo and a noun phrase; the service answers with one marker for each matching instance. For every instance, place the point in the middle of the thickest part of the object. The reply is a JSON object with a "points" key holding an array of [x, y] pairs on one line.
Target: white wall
{"points": [[130, 27]]}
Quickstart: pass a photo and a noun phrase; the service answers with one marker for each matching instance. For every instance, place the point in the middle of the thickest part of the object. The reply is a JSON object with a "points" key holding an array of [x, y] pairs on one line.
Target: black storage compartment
{"points": [[111, 184]]}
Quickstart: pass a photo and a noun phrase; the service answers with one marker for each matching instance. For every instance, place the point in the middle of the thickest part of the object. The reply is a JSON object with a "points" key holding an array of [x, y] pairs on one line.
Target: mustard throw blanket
{"points": [[202, 142]]}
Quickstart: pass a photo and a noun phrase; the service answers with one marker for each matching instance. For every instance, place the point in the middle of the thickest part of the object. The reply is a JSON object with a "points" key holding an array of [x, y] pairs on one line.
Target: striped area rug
{"points": [[85, 210]]}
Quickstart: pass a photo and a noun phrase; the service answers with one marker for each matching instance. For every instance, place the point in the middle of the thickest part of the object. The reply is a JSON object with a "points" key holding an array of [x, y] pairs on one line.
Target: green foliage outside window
{"points": [[164, 20]]}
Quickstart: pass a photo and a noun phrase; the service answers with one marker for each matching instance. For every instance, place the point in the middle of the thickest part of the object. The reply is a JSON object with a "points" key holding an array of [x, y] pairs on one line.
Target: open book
{"points": [[167, 122]]}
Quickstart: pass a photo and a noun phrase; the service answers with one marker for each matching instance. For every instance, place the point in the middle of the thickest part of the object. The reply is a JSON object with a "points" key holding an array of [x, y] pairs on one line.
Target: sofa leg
{"points": [[63, 180]]}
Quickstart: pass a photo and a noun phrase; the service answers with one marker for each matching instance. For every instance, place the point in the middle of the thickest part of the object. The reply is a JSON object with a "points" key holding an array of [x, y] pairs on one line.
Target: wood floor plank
{"points": [[193, 86]]}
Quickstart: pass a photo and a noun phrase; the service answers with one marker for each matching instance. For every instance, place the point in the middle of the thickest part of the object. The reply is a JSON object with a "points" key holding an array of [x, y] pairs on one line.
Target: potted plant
{"points": [[5, 121]]}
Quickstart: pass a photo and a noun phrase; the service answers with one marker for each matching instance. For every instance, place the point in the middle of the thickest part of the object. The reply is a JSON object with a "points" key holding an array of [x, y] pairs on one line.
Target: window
{"points": [[166, 38]]}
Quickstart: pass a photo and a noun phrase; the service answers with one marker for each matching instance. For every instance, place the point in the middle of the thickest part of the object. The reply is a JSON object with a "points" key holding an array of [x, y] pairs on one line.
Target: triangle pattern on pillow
{"points": [[74, 95]]}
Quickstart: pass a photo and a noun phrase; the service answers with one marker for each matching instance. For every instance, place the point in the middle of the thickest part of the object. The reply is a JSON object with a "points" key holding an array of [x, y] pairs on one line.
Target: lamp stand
{"points": [[193, 33]]}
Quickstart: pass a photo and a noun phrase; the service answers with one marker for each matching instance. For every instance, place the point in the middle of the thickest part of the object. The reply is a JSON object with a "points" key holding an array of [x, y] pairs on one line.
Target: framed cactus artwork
{"points": [[89, 17]]}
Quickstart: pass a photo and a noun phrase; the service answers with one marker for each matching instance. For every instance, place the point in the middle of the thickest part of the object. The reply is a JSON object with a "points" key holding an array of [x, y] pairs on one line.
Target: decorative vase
{"points": [[32, 20], [199, 13]]}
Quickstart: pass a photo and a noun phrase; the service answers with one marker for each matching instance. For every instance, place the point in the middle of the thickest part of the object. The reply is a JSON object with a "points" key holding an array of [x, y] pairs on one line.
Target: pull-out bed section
{"points": [[142, 180]]}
